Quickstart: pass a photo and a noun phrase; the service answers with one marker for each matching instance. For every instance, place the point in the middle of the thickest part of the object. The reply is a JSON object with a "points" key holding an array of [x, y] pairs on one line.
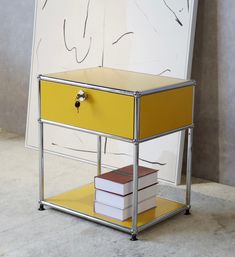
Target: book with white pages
{"points": [[123, 214], [123, 202]]}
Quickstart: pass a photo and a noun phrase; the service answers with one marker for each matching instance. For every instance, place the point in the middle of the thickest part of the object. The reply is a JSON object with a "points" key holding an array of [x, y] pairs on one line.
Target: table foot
{"points": [[41, 207], [133, 237], [187, 212]]}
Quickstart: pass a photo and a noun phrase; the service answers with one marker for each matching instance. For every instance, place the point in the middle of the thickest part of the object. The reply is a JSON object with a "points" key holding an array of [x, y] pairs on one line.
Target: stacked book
{"points": [[113, 192]]}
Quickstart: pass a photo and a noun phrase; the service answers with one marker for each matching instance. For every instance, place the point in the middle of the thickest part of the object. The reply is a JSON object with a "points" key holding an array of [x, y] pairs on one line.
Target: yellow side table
{"points": [[128, 106]]}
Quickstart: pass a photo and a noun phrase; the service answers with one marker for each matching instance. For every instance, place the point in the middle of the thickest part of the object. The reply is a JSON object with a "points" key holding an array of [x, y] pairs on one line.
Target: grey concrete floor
{"points": [[26, 232]]}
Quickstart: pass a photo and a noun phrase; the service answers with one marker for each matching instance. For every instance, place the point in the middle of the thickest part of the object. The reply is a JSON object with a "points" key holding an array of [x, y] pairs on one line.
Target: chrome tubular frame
{"points": [[84, 85], [99, 154], [41, 163], [134, 229], [136, 143], [189, 162], [88, 217], [41, 148], [160, 219], [189, 168], [87, 131], [115, 90], [164, 134]]}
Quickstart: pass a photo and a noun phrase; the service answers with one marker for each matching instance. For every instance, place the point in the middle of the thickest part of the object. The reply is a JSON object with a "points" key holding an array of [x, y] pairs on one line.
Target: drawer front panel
{"points": [[165, 111], [102, 111]]}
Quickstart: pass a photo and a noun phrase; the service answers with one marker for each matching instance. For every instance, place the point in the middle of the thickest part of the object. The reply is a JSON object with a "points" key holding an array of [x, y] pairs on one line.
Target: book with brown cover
{"points": [[120, 181]]}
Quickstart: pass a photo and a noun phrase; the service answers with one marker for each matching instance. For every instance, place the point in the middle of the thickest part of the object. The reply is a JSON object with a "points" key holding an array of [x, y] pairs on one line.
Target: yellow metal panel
{"points": [[82, 200], [118, 79], [165, 111], [101, 111]]}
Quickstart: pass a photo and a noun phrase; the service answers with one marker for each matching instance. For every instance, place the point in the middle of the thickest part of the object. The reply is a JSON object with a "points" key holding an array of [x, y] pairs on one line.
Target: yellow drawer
{"points": [[165, 111], [102, 111]]}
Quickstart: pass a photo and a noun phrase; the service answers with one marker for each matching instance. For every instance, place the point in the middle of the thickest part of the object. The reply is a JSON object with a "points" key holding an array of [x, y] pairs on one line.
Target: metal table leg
{"points": [[189, 171], [41, 167], [134, 229], [40, 150], [99, 144]]}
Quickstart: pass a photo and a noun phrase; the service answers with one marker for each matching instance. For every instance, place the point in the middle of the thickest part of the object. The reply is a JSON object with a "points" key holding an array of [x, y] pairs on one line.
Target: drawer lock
{"points": [[77, 104], [81, 96]]}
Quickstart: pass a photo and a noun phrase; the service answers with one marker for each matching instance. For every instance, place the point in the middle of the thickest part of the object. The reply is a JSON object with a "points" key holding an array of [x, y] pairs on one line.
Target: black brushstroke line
{"points": [[37, 49], [188, 5], [169, 70], [75, 48], [176, 17], [88, 151], [77, 150], [44, 4], [127, 33], [87, 14], [146, 16]]}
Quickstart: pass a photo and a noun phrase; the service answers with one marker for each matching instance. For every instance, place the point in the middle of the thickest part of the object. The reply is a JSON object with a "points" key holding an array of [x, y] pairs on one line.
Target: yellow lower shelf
{"points": [[81, 200]]}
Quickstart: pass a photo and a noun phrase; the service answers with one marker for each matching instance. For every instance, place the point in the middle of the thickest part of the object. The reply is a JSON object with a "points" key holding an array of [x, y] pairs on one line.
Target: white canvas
{"points": [[149, 36]]}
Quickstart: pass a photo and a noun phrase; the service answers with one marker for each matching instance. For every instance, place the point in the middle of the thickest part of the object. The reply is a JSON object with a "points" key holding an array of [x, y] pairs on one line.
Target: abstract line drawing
{"points": [[162, 72], [45, 3], [176, 17], [146, 16], [94, 152], [75, 48], [124, 154], [70, 148], [87, 14], [123, 35]]}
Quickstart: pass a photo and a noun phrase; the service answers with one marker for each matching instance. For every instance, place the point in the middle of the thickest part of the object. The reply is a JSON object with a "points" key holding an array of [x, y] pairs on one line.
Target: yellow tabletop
{"points": [[119, 79]]}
